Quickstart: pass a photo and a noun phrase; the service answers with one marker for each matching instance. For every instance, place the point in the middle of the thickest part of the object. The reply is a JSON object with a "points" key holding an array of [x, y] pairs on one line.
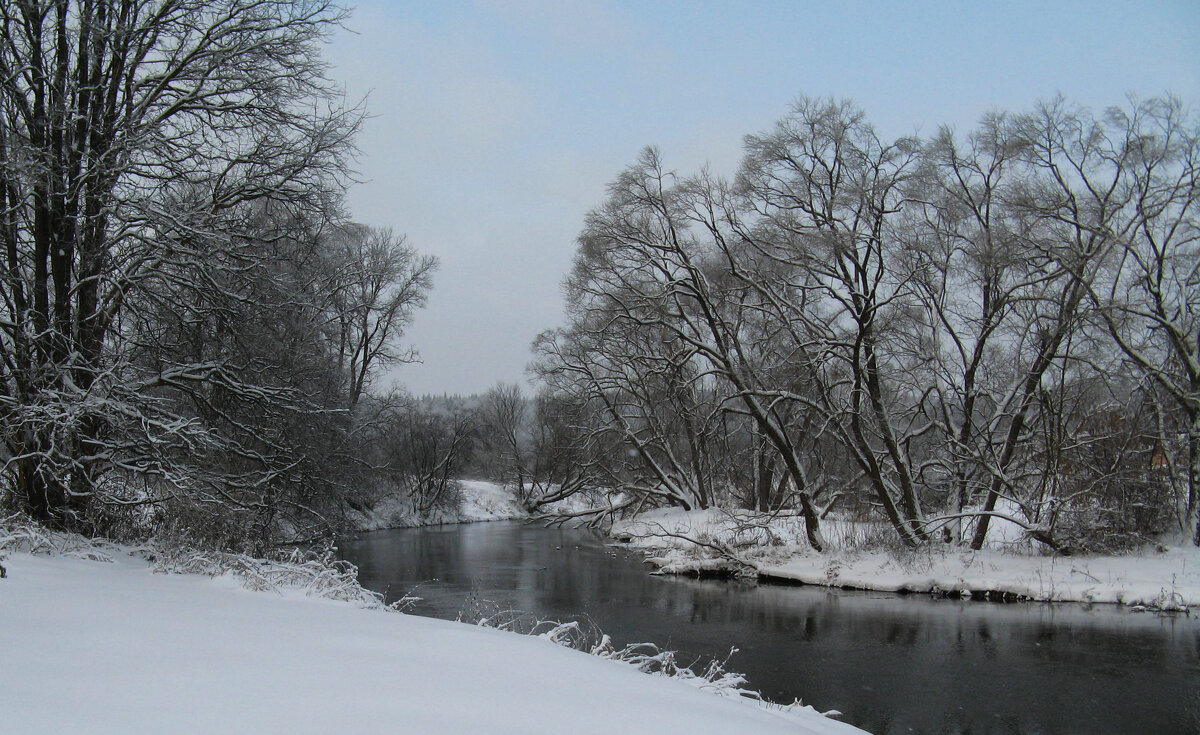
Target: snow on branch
{"points": [[19, 534]]}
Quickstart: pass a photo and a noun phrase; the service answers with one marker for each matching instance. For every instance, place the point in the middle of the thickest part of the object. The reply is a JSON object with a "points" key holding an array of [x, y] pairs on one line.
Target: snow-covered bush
{"points": [[19, 533], [316, 573]]}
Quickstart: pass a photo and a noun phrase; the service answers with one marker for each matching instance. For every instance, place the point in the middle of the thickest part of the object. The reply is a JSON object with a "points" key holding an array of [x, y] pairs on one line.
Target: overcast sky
{"points": [[496, 125]]}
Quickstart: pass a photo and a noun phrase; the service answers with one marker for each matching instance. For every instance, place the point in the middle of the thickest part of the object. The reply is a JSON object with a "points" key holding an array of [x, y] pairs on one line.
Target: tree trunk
{"points": [[764, 480], [1194, 476]]}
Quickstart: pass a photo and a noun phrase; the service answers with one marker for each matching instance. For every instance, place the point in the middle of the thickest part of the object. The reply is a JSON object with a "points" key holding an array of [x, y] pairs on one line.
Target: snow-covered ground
{"points": [[1166, 577], [478, 500], [94, 647]]}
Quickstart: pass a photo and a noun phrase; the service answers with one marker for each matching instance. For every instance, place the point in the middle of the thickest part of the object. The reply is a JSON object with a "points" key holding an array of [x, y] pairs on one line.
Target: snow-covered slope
{"points": [[99, 648], [478, 500], [488, 501]]}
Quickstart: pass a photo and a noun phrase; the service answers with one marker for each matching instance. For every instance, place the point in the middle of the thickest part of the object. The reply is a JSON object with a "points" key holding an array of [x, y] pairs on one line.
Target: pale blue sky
{"points": [[497, 125]]}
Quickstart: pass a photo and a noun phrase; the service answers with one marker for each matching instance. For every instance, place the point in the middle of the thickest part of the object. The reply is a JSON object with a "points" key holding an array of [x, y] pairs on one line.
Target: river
{"points": [[891, 664]]}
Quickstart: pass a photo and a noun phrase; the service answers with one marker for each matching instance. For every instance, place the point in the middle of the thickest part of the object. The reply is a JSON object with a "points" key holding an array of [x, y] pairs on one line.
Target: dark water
{"points": [[891, 664]]}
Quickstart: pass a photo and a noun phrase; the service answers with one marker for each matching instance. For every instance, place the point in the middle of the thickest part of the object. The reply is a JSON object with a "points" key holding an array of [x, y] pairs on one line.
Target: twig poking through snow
{"points": [[645, 657]]}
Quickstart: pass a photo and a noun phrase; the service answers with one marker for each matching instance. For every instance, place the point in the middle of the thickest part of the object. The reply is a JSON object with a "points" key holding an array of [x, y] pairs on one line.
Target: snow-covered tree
{"points": [[136, 139], [940, 315]]}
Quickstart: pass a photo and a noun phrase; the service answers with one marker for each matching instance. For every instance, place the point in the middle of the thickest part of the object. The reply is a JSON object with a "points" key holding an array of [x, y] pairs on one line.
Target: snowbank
{"points": [[113, 648], [1166, 580], [1162, 578], [479, 500], [488, 501]]}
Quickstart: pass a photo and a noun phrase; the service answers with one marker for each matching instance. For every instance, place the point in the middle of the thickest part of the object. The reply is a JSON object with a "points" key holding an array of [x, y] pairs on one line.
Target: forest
{"points": [[927, 332]]}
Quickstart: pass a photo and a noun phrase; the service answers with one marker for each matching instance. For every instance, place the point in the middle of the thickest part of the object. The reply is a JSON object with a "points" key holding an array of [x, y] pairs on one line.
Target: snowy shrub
{"points": [[316, 573], [19, 533], [185, 523], [1120, 521], [319, 574], [910, 558]]}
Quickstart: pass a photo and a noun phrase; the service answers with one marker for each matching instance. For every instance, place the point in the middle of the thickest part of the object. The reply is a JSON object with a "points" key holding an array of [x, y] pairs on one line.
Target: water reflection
{"points": [[892, 664]]}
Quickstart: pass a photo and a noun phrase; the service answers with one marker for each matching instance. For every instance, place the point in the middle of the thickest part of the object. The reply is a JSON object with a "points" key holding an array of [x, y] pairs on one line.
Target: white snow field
{"points": [[93, 647]]}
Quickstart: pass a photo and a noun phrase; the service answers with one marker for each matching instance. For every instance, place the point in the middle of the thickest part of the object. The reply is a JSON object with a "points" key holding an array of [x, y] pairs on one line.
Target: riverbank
{"points": [[477, 501], [1164, 577], [721, 543], [115, 648]]}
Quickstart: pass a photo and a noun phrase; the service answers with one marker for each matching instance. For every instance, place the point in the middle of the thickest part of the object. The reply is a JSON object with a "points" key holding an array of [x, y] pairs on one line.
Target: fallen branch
{"points": [[721, 549]]}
